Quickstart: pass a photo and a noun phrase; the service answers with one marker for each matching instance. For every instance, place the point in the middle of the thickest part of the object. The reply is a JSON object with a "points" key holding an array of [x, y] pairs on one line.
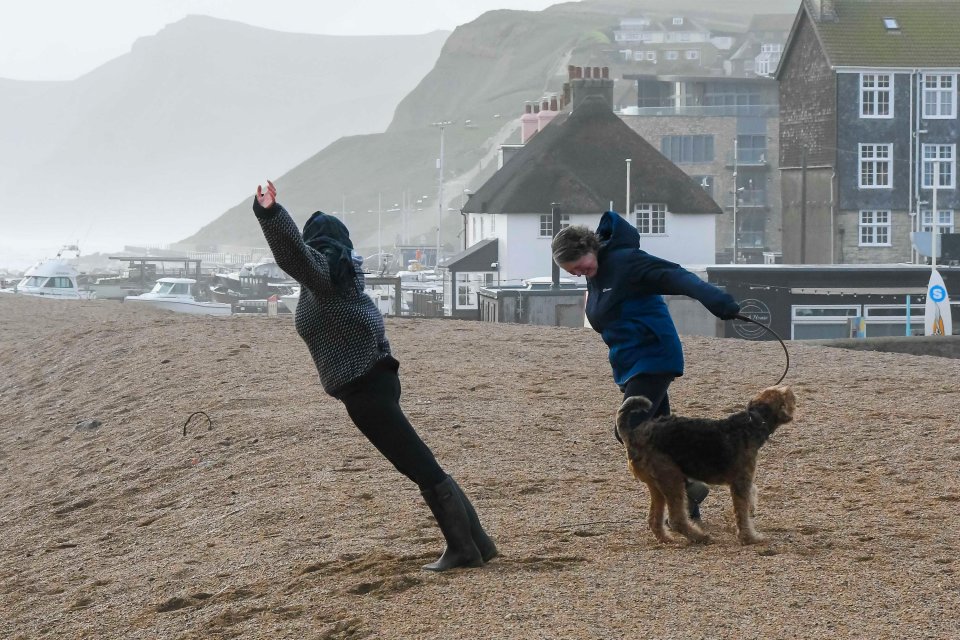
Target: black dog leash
{"points": [[765, 327]]}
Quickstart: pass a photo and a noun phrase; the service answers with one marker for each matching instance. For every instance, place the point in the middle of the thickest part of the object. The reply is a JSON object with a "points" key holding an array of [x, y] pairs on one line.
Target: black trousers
{"points": [[373, 403], [652, 386]]}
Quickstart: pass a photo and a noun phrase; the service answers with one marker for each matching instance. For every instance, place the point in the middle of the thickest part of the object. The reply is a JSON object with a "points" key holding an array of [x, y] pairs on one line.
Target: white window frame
{"points": [[875, 160], [546, 224], [692, 54], [875, 228], [678, 21], [650, 218], [945, 220], [933, 102], [874, 314], [870, 85], [842, 319], [672, 55], [947, 155], [652, 55]]}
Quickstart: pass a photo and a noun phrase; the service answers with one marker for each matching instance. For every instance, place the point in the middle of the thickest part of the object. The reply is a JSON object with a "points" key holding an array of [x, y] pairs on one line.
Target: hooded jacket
{"points": [[624, 303], [340, 324]]}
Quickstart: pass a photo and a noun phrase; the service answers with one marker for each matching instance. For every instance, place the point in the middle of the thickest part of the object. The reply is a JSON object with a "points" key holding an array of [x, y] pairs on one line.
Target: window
{"points": [[939, 95], [678, 20], [944, 220], [693, 54], [891, 320], [875, 166], [546, 224], [465, 296], [651, 218], [672, 55], [874, 228], [651, 55], [493, 225], [944, 153], [682, 149], [685, 36], [876, 91], [59, 283], [770, 48], [483, 233], [891, 24], [819, 322]]}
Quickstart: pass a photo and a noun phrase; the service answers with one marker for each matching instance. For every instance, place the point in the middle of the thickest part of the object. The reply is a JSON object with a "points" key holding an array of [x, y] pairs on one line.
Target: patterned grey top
{"points": [[342, 326]]}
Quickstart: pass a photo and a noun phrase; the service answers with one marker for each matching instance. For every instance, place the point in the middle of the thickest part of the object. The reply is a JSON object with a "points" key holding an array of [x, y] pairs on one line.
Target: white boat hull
{"points": [[183, 306]]}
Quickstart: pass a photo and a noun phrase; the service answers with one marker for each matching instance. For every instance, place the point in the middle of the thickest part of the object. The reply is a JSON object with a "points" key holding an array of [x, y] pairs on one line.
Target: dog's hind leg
{"points": [[744, 495], [655, 519], [671, 480]]}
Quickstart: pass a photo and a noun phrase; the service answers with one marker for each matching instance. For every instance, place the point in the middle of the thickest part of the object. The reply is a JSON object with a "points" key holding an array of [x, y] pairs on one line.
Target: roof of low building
{"points": [[578, 161]]}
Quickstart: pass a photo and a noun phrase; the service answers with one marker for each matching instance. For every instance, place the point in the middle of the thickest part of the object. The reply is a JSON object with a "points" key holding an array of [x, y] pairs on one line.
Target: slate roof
{"points": [[578, 161], [929, 34]]}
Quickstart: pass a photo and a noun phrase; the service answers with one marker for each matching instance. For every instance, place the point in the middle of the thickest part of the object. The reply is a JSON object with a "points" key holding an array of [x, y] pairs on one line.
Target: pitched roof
{"points": [[578, 162], [477, 257], [929, 34]]}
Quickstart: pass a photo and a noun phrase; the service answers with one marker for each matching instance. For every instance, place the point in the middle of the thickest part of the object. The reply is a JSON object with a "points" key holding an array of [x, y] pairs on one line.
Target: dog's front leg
{"points": [[744, 495]]}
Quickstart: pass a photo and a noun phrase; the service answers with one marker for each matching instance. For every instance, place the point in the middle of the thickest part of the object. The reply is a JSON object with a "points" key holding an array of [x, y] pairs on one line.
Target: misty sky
{"points": [[63, 39]]}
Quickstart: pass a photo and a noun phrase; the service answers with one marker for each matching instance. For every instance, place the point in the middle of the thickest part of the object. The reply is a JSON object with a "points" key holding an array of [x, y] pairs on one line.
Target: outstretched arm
{"points": [[668, 278], [308, 267]]}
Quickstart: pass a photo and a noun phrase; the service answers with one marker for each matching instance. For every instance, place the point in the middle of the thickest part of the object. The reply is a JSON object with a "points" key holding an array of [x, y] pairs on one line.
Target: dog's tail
{"points": [[631, 405]]}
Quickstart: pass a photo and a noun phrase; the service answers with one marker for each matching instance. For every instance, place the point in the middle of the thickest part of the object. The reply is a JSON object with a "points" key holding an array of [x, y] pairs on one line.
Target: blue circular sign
{"points": [[938, 293]]}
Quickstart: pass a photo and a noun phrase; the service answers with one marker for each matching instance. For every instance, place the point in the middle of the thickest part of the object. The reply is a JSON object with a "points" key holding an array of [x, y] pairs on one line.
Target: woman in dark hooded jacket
{"points": [[344, 331], [624, 305]]}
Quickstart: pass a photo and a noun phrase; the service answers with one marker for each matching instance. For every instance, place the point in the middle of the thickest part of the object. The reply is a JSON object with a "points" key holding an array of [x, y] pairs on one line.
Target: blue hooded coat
{"points": [[624, 303]]}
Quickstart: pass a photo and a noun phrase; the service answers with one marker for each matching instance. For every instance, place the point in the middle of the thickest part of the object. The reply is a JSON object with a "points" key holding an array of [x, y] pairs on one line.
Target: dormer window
{"points": [[678, 21], [891, 24]]}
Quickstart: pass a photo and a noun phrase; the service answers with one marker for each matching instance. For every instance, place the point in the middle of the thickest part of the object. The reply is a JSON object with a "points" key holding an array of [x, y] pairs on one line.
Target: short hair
{"points": [[573, 243]]}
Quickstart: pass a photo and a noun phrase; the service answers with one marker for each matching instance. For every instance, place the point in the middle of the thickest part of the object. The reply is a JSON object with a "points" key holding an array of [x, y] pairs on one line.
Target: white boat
{"points": [[54, 278], [175, 294], [291, 300]]}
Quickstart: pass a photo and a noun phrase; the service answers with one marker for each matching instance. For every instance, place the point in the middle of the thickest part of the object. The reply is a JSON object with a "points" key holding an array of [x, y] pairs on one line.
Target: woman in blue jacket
{"points": [[624, 305]]}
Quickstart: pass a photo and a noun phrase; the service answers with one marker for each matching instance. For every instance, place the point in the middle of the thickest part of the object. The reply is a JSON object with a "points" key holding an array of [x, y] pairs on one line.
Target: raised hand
{"points": [[267, 199]]}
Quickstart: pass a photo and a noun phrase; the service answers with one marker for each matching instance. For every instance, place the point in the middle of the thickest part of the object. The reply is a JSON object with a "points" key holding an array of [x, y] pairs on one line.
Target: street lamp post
{"points": [[442, 126], [735, 196]]}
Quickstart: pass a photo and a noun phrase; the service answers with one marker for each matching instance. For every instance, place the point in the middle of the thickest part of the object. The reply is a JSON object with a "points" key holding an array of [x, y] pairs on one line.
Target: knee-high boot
{"points": [[486, 546], [448, 508]]}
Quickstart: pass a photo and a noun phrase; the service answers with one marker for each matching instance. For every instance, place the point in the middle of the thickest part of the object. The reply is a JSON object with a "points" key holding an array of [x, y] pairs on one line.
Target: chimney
{"points": [[595, 81], [528, 123], [548, 111], [823, 10]]}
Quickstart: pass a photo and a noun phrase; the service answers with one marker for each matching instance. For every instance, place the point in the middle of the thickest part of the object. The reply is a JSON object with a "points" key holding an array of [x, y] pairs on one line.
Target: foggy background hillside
{"points": [[152, 145]]}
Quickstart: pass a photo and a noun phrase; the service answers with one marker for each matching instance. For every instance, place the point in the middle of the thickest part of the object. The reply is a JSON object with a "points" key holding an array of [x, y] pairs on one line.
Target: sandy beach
{"points": [[277, 519]]}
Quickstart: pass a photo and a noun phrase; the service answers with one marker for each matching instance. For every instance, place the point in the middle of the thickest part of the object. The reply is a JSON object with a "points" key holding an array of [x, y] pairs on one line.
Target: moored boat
{"points": [[176, 294]]}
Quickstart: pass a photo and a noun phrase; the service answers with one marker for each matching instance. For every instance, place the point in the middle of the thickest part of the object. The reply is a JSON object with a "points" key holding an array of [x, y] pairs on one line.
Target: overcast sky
{"points": [[63, 39]]}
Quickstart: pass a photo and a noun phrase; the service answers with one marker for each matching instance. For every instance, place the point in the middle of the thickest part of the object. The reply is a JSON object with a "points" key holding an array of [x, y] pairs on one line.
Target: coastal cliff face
{"points": [[152, 145], [277, 519]]}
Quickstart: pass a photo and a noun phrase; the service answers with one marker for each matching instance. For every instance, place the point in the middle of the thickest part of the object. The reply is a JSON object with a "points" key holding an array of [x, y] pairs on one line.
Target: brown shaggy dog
{"points": [[662, 452]]}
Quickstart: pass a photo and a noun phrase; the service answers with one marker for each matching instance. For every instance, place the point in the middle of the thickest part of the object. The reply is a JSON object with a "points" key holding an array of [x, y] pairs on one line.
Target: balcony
{"points": [[747, 199], [748, 158]]}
